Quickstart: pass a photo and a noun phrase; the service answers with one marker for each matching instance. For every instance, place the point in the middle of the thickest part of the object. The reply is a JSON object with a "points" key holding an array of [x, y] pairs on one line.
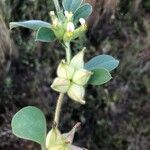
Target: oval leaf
{"points": [[29, 123], [102, 61], [71, 5], [45, 35], [83, 12], [100, 76], [31, 24]]}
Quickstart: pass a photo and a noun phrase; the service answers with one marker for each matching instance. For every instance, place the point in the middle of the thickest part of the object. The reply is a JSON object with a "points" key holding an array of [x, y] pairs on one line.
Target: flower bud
{"points": [[68, 35], [54, 18], [52, 13], [81, 76], [82, 21], [64, 70], [69, 15], [77, 93], [78, 61], [79, 32], [70, 27], [55, 22], [60, 85]]}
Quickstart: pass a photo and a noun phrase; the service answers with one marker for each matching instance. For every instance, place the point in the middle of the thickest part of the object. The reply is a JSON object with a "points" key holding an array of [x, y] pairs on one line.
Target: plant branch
{"points": [[58, 108], [68, 52], [61, 95], [57, 6]]}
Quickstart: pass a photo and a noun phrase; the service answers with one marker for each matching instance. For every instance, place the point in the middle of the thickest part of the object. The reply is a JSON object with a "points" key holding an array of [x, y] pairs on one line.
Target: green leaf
{"points": [[29, 123], [102, 61], [83, 12], [31, 24], [45, 35], [71, 5], [100, 76]]}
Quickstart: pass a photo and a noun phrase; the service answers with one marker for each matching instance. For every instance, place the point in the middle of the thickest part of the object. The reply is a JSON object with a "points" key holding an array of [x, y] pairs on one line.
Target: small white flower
{"points": [[77, 93], [82, 21], [72, 78], [70, 27]]}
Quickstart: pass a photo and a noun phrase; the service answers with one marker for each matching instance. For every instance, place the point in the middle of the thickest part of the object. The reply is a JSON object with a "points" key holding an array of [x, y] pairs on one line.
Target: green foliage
{"points": [[102, 61], [78, 8], [128, 91], [74, 10], [29, 123], [31, 24], [83, 12], [71, 5], [45, 34], [101, 66], [100, 76]]}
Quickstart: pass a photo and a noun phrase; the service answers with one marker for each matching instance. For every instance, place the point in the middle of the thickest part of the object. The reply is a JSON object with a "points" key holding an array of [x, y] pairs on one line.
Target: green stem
{"points": [[68, 52], [43, 147], [58, 108], [57, 6], [61, 95]]}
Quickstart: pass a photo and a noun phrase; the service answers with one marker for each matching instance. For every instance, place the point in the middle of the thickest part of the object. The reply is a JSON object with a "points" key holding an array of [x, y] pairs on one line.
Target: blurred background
{"points": [[117, 114]]}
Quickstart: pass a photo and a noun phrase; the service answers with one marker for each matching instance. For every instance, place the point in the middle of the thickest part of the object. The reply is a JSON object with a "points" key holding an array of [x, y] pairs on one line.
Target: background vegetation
{"points": [[116, 116]]}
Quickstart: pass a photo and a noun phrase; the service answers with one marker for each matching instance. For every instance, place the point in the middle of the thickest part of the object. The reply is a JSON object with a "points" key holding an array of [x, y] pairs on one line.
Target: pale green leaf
{"points": [[31, 24], [45, 34], [29, 123], [100, 76], [71, 5], [102, 61], [83, 12]]}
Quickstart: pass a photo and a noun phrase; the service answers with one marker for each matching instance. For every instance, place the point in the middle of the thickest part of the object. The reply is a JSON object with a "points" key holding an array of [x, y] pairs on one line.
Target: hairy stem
{"points": [[58, 108], [57, 6]]}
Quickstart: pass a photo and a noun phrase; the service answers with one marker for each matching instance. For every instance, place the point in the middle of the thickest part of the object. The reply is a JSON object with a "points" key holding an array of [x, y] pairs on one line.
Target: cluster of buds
{"points": [[64, 27], [72, 78]]}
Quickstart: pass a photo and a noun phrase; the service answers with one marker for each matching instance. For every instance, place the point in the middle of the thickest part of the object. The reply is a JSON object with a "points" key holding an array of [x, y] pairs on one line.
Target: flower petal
{"points": [[77, 93], [78, 60], [64, 70], [60, 85], [53, 137], [70, 135], [81, 76]]}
